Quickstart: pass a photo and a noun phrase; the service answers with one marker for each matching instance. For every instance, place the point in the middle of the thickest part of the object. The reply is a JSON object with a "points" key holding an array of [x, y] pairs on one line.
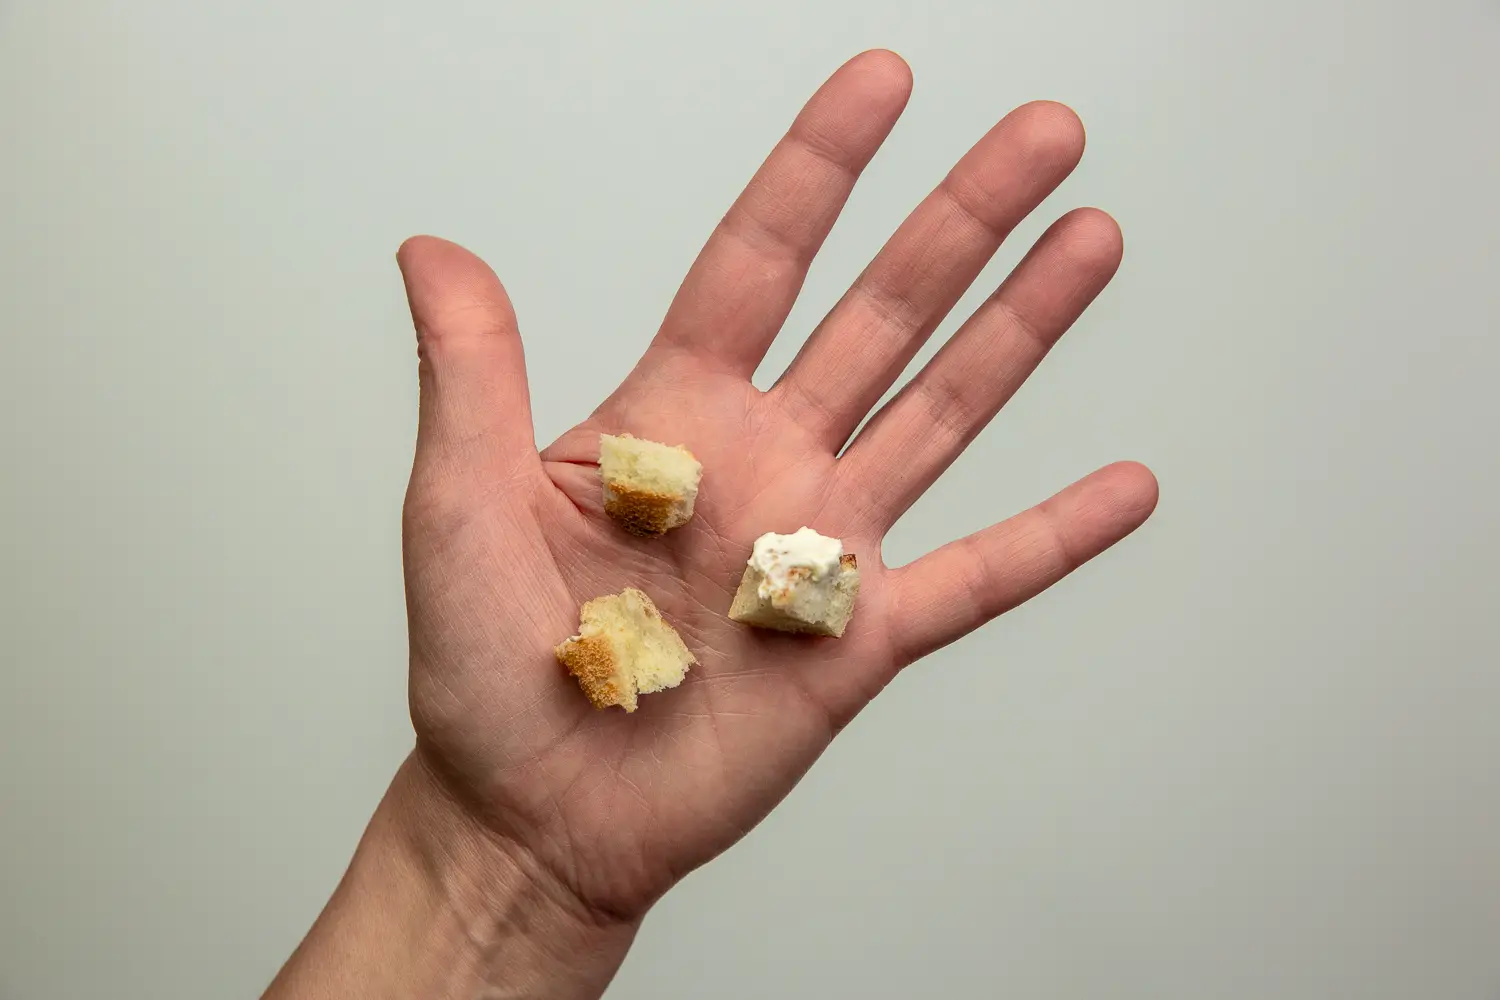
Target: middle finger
{"points": [[866, 341]]}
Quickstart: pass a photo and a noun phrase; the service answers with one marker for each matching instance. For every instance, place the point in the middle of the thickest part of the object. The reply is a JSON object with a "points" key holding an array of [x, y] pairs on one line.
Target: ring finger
{"points": [[868, 338], [918, 434]]}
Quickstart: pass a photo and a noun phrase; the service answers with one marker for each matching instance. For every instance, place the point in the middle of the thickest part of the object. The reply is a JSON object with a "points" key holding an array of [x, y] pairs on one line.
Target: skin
{"points": [[528, 834]]}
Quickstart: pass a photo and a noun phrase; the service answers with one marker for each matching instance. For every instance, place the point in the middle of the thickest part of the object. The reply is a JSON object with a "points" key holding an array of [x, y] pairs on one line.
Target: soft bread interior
{"points": [[648, 466], [822, 608], [648, 653]]}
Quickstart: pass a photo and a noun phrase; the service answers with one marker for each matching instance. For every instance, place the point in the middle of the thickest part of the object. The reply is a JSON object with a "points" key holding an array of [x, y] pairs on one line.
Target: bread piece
{"points": [[624, 648], [649, 488], [802, 582]]}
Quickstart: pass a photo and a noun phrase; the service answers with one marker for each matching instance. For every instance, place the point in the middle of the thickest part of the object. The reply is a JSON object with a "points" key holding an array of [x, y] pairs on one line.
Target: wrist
{"points": [[518, 916], [435, 905]]}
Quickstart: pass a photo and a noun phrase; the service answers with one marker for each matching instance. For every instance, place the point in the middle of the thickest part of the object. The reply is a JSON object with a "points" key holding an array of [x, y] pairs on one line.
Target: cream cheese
{"points": [[777, 556]]}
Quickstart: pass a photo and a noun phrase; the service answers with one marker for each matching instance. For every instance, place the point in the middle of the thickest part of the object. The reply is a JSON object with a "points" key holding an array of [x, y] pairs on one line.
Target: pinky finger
{"points": [[949, 593]]}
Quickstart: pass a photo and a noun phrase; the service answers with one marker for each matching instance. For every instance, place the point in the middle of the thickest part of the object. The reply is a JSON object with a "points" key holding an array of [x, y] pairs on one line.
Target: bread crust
{"points": [[611, 677], [592, 661], [649, 487], [641, 512]]}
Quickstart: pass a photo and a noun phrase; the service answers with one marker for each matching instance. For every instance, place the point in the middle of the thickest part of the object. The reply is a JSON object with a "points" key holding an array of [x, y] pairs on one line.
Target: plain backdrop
{"points": [[1254, 752]]}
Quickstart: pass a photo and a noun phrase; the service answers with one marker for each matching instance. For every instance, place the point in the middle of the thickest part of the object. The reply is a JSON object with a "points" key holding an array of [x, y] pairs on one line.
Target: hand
{"points": [[503, 544]]}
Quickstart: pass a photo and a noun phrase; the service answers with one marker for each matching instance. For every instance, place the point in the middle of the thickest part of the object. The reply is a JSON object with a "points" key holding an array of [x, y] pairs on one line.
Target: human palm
{"points": [[503, 544]]}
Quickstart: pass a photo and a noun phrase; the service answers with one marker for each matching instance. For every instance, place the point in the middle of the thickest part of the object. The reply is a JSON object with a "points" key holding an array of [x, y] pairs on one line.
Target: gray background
{"points": [[1255, 752]]}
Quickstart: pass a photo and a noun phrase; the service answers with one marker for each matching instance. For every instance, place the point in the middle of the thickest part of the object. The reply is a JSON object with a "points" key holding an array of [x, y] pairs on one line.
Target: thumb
{"points": [[474, 419]]}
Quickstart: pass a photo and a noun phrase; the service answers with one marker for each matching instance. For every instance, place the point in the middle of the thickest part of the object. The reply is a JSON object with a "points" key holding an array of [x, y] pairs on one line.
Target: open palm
{"points": [[503, 544]]}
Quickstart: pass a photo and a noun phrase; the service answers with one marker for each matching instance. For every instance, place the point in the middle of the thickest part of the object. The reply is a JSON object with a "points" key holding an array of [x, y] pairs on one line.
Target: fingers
{"points": [[475, 413], [858, 351], [747, 276], [917, 435], [949, 593]]}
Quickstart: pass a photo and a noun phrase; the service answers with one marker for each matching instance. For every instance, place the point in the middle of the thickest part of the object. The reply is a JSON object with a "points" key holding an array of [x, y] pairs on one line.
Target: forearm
{"points": [[431, 906]]}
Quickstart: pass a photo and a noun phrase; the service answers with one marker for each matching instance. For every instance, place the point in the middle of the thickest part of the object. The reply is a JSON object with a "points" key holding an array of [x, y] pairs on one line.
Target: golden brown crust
{"points": [[641, 512], [592, 661]]}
